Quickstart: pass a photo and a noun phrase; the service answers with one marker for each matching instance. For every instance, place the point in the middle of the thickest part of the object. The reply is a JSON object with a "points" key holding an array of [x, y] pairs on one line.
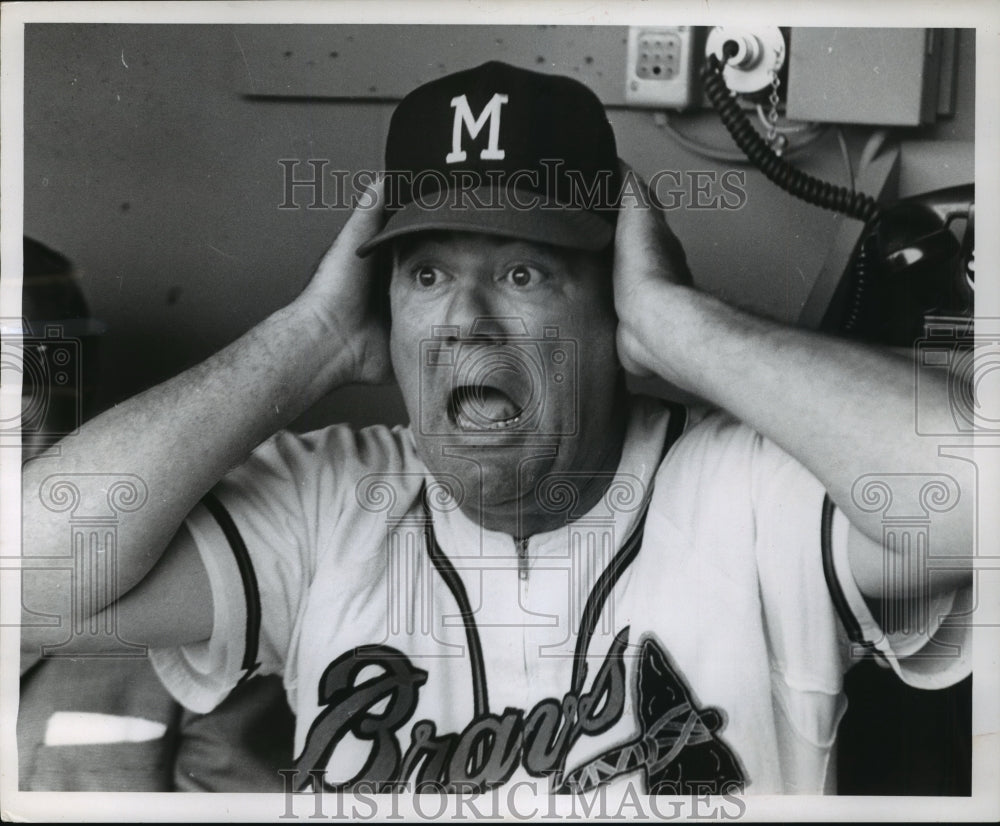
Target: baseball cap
{"points": [[506, 151]]}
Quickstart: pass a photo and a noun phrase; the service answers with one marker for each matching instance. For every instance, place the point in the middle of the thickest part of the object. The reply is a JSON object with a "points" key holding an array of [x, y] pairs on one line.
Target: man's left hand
{"points": [[649, 263]]}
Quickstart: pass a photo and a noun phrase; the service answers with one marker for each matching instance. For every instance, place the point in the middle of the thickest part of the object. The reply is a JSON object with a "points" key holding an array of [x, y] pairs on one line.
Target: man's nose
{"points": [[473, 314]]}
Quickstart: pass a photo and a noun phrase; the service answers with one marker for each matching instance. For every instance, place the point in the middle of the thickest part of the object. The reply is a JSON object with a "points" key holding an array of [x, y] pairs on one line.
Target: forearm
{"points": [[178, 438], [841, 408]]}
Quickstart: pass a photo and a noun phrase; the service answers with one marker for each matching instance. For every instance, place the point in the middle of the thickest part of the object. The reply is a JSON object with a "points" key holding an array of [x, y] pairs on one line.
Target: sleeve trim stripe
{"points": [[249, 578], [850, 622]]}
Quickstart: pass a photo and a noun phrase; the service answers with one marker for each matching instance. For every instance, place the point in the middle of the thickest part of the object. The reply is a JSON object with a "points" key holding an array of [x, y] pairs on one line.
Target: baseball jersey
{"points": [[679, 635]]}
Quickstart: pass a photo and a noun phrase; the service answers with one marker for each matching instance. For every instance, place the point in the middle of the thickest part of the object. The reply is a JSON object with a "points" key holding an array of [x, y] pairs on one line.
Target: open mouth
{"points": [[479, 407], [497, 395]]}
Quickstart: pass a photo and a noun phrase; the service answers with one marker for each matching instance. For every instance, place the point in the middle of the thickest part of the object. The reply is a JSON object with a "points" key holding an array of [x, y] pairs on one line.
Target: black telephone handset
{"points": [[914, 267]]}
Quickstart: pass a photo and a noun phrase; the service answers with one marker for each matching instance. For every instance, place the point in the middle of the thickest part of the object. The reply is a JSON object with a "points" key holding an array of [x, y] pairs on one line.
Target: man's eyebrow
{"points": [[549, 254]]}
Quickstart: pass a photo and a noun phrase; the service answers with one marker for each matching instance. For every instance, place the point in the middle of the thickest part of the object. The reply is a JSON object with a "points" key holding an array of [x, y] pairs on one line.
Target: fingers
{"points": [[643, 230], [367, 217], [638, 197], [639, 209], [366, 220]]}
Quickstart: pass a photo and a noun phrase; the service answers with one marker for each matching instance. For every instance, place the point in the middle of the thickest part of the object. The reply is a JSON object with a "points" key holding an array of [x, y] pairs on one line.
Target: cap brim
{"points": [[464, 212]]}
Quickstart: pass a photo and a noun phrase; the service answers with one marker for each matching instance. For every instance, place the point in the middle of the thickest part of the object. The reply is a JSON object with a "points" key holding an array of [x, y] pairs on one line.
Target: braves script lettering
{"points": [[491, 747]]}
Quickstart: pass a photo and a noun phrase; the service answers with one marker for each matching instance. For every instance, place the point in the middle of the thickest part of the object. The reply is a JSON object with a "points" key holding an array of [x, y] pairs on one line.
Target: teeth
{"points": [[466, 424], [482, 410]]}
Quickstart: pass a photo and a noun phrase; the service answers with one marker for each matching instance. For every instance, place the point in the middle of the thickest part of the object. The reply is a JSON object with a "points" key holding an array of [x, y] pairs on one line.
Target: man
{"points": [[541, 579]]}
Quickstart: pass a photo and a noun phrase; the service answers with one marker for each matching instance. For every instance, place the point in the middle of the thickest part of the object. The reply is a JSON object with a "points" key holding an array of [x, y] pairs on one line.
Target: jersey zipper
{"points": [[522, 582], [522, 558]]}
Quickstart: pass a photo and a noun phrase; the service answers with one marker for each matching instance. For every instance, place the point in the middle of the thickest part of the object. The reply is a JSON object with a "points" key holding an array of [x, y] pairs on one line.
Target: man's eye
{"points": [[427, 276], [521, 275]]}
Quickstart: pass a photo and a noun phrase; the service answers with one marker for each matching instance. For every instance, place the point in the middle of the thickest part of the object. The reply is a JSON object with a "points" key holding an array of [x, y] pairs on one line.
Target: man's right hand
{"points": [[340, 297]]}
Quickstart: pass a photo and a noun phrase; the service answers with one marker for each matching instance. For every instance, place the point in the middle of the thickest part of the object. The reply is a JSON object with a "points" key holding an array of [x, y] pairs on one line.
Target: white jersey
{"points": [[691, 648]]}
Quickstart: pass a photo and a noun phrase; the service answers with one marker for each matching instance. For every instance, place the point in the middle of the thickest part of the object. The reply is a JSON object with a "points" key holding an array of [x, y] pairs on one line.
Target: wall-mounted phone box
{"points": [[891, 77], [660, 66]]}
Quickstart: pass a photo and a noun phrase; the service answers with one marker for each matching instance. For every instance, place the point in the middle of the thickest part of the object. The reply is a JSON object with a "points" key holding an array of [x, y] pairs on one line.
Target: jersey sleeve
{"points": [[928, 644], [810, 596], [258, 547]]}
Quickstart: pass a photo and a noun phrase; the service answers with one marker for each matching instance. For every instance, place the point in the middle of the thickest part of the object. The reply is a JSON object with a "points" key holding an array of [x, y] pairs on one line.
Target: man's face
{"points": [[505, 354]]}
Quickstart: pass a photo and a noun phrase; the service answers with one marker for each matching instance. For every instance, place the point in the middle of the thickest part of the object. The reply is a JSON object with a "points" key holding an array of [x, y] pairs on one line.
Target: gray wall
{"points": [[151, 166]]}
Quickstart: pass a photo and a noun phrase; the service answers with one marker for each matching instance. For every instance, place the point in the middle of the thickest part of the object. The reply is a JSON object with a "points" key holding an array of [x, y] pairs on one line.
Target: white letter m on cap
{"points": [[463, 115]]}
